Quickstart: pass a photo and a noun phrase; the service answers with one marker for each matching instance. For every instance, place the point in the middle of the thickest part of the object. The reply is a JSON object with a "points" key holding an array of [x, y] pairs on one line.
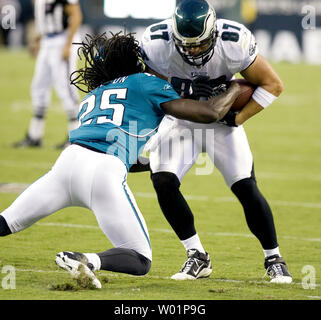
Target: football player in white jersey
{"points": [[57, 23], [199, 54]]}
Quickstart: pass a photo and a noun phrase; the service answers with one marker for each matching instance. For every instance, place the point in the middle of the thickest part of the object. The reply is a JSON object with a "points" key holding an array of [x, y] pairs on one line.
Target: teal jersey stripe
{"points": [[135, 211]]}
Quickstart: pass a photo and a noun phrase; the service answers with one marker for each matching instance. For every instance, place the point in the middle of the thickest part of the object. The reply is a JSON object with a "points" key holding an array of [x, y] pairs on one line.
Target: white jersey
{"points": [[234, 51], [50, 15]]}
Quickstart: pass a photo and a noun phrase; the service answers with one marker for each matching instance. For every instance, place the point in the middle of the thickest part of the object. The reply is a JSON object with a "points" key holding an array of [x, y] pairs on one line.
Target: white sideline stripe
{"points": [[187, 197], [284, 176], [260, 175], [66, 225], [283, 203], [114, 275], [19, 164], [19, 105], [219, 234], [232, 199], [19, 187], [39, 271]]}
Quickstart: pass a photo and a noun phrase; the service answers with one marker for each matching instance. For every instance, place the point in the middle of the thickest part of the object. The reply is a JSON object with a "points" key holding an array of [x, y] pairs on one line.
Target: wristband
{"points": [[229, 119], [263, 97]]}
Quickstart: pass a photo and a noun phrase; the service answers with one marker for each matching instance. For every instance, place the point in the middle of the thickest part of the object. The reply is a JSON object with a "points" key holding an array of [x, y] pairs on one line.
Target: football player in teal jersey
{"points": [[123, 108]]}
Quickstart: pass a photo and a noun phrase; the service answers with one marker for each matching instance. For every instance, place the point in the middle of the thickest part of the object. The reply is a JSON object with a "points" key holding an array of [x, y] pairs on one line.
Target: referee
{"points": [[57, 23]]}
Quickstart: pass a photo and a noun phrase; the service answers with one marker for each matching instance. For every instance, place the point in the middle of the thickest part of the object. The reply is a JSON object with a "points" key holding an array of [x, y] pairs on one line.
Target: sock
{"points": [[271, 252], [193, 242], [36, 128], [125, 261], [4, 228], [94, 259]]}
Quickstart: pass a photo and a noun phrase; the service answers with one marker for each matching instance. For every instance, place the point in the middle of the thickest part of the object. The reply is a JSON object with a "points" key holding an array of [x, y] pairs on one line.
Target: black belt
{"points": [[88, 147], [53, 34]]}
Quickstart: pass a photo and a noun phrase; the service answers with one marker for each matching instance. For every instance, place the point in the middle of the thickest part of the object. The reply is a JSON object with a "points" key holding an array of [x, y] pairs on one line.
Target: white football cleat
{"points": [[198, 265], [277, 270], [281, 279], [77, 264]]}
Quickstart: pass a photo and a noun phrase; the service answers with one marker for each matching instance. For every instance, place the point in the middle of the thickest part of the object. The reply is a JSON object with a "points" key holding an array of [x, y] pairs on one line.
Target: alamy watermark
{"points": [[8, 17], [309, 280], [9, 279], [183, 149], [309, 20]]}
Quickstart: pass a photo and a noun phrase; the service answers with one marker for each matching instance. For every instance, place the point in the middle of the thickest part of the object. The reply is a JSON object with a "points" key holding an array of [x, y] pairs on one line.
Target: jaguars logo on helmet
{"points": [[194, 24]]}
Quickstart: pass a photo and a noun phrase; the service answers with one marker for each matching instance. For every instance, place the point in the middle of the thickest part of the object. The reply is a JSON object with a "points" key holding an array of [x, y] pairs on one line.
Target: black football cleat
{"points": [[28, 142]]}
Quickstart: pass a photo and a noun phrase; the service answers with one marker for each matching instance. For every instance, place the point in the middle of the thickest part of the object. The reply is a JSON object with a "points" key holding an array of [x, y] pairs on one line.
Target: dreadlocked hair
{"points": [[106, 59]]}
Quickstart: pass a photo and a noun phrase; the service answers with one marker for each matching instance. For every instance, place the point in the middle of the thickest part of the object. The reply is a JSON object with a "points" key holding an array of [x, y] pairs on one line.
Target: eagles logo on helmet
{"points": [[194, 26]]}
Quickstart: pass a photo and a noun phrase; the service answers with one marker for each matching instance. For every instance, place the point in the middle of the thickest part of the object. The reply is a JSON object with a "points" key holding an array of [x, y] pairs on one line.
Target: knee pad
{"points": [[165, 181]]}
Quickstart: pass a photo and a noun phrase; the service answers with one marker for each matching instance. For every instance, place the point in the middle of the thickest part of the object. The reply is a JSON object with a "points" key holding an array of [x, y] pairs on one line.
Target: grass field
{"points": [[286, 144]]}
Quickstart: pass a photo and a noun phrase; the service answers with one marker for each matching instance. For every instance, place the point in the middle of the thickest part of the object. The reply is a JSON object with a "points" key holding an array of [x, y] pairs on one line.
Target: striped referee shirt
{"points": [[50, 16]]}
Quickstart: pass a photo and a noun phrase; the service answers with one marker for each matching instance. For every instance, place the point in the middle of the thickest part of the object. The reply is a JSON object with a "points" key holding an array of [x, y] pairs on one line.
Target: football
{"points": [[247, 89]]}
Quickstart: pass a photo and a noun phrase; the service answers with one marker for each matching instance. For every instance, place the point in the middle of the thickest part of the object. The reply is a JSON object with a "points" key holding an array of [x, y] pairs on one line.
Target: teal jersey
{"points": [[120, 116]]}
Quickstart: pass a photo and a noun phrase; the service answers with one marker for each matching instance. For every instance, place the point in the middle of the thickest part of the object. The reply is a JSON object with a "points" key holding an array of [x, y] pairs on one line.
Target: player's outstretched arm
{"points": [[208, 111]]}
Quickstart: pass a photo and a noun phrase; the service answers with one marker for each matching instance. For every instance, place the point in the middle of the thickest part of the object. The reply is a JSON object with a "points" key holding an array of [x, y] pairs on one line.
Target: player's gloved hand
{"points": [[220, 88], [201, 88], [204, 87], [229, 118]]}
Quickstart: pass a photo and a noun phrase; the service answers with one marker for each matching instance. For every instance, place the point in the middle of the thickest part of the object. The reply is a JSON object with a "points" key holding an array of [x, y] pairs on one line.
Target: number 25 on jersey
{"points": [[106, 112]]}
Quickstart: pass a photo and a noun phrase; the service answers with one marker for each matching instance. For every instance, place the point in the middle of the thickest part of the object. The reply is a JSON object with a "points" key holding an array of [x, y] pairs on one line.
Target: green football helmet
{"points": [[194, 25]]}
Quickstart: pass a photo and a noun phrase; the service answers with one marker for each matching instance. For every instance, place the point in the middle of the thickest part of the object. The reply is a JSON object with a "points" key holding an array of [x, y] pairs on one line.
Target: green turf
{"points": [[286, 144]]}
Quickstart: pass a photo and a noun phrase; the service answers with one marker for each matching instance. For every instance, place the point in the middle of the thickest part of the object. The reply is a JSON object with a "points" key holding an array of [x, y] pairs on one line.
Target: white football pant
{"points": [[179, 148], [52, 70], [85, 178]]}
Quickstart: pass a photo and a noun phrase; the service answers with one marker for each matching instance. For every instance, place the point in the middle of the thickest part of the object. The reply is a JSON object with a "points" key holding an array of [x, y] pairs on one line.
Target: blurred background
{"points": [[286, 30]]}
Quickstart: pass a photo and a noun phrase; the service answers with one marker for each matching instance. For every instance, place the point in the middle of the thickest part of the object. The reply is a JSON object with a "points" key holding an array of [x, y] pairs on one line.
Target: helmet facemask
{"points": [[200, 59]]}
